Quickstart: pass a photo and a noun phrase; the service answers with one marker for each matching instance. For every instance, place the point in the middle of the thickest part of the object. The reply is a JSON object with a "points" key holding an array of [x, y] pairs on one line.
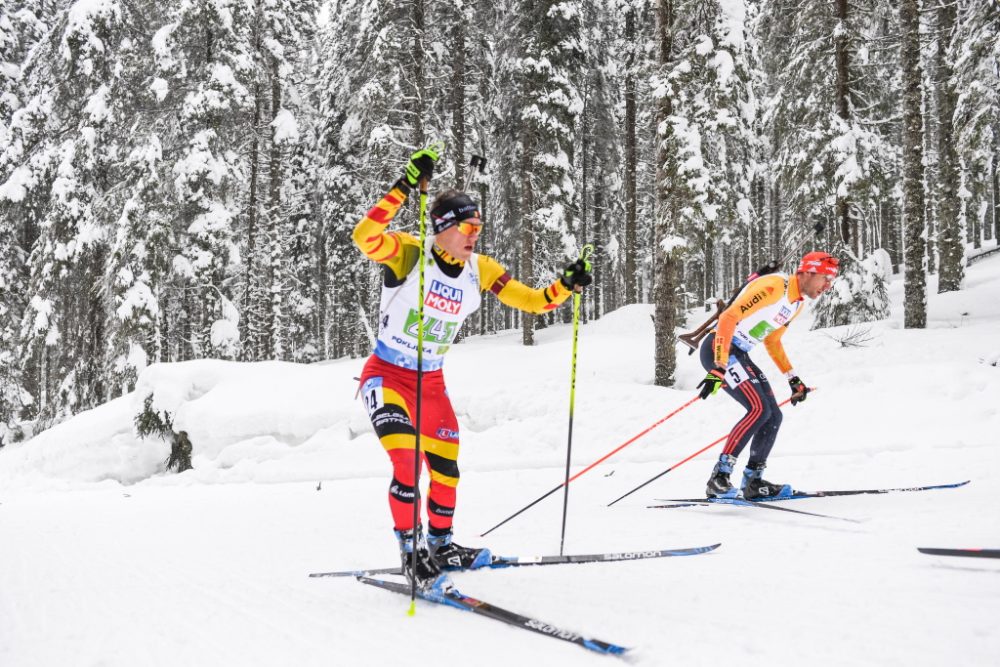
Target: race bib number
{"points": [[736, 374], [371, 393]]}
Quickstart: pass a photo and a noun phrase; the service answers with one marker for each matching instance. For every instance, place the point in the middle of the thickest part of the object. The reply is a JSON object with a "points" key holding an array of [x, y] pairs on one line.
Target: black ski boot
{"points": [[427, 574], [755, 487], [451, 556], [718, 484]]}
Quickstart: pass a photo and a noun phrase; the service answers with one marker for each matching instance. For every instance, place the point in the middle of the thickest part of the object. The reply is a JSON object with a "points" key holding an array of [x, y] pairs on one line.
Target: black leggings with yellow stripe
{"points": [[390, 395]]}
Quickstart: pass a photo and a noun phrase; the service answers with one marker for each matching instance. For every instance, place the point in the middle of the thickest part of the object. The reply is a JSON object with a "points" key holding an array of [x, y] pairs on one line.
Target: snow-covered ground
{"points": [[105, 560]]}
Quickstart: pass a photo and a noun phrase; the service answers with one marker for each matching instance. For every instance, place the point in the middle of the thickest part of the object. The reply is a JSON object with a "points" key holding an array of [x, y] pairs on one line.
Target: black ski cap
{"points": [[452, 209]]}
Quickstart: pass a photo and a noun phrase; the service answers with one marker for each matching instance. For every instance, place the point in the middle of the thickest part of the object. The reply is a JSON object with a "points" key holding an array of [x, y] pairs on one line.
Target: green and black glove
{"points": [[577, 274], [712, 382], [421, 165], [799, 389]]}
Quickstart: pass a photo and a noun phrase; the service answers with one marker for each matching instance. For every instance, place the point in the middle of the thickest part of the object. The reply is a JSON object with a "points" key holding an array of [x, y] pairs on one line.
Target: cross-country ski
{"points": [[501, 562], [456, 599]]}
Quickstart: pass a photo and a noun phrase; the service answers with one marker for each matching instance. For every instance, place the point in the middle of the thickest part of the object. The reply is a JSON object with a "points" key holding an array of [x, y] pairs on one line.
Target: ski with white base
{"points": [[500, 562], [453, 598], [969, 553]]}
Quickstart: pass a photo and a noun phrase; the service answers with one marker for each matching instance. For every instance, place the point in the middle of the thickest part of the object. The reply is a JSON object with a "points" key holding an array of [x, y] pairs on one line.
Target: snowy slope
{"points": [[105, 560]]}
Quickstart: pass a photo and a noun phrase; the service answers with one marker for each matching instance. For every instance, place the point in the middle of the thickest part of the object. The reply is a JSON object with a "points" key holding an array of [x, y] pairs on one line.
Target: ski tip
{"points": [[960, 551], [603, 647]]}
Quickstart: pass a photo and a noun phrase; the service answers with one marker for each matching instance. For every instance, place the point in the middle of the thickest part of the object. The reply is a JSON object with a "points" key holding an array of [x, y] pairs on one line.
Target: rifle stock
{"points": [[693, 339]]}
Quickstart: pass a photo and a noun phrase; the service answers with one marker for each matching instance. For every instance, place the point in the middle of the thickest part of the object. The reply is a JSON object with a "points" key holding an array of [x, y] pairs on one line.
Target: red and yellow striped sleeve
{"points": [[759, 294], [370, 235], [495, 278], [394, 250]]}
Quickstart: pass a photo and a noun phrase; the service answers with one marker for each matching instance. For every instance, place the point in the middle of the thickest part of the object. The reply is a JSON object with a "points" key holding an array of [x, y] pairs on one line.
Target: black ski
{"points": [[974, 553], [453, 598], [740, 502], [798, 495], [525, 561]]}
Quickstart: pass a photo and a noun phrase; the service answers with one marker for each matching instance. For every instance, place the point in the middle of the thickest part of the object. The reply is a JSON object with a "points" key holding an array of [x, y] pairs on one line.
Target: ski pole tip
{"points": [[412, 611]]}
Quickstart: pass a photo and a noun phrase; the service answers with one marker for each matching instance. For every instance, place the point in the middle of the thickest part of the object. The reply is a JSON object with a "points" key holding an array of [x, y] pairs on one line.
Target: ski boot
{"points": [[451, 556], [427, 575], [755, 487], [718, 484]]}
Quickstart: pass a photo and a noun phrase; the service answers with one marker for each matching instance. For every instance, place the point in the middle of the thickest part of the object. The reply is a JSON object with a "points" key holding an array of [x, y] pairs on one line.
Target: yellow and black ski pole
{"points": [[584, 255]]}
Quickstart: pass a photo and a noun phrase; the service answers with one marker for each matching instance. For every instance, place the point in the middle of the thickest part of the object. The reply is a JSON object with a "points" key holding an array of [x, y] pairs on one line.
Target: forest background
{"points": [[179, 179]]}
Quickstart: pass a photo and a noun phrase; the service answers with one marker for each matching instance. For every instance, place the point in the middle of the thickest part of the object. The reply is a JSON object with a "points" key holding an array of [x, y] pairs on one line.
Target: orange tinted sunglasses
{"points": [[469, 228]]}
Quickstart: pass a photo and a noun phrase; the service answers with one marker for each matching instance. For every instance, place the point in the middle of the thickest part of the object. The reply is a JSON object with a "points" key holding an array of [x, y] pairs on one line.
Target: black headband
{"points": [[450, 211]]}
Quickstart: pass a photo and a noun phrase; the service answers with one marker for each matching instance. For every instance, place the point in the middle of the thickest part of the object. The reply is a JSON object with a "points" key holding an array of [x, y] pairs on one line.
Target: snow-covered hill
{"points": [[105, 560]]}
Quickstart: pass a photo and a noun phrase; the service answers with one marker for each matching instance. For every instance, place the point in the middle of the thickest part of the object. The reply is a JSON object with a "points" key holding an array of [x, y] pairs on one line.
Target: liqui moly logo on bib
{"points": [[443, 297]]}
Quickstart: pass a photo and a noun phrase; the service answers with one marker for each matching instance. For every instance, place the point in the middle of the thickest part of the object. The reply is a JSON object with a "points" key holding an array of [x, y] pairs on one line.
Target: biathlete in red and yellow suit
{"points": [[454, 277], [761, 312]]}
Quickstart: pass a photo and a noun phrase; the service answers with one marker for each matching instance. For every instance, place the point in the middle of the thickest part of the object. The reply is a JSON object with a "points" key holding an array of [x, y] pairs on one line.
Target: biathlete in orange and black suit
{"points": [[761, 312], [454, 277]]}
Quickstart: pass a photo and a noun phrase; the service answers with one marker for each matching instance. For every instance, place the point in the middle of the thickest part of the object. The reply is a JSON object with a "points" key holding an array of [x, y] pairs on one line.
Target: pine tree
{"points": [[976, 54], [65, 141], [205, 54], [547, 41], [705, 155], [828, 156]]}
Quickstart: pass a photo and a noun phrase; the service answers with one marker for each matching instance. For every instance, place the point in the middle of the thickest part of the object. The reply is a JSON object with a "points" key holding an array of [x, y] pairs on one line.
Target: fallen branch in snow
{"points": [[855, 336]]}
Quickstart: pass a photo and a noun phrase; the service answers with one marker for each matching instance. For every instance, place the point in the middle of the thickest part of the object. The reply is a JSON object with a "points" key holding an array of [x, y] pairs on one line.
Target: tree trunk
{"points": [[995, 184], [247, 335], [843, 206], [630, 249], [604, 274], [667, 261], [527, 271], [417, 71], [458, 101], [778, 251], [951, 246], [276, 345], [915, 282]]}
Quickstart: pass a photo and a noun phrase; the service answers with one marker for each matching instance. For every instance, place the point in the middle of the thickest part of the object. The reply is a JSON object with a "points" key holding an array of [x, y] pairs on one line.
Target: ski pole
{"points": [[683, 461], [477, 162], [584, 254], [420, 378], [592, 465], [424, 183]]}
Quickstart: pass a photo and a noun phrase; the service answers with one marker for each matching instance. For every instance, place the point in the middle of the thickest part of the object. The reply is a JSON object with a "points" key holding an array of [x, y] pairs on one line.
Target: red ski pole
{"points": [[592, 465], [685, 460]]}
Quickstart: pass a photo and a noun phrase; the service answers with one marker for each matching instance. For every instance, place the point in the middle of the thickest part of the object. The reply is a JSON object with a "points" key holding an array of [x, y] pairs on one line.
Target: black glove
{"points": [[421, 165], [577, 273], [712, 382], [799, 389]]}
